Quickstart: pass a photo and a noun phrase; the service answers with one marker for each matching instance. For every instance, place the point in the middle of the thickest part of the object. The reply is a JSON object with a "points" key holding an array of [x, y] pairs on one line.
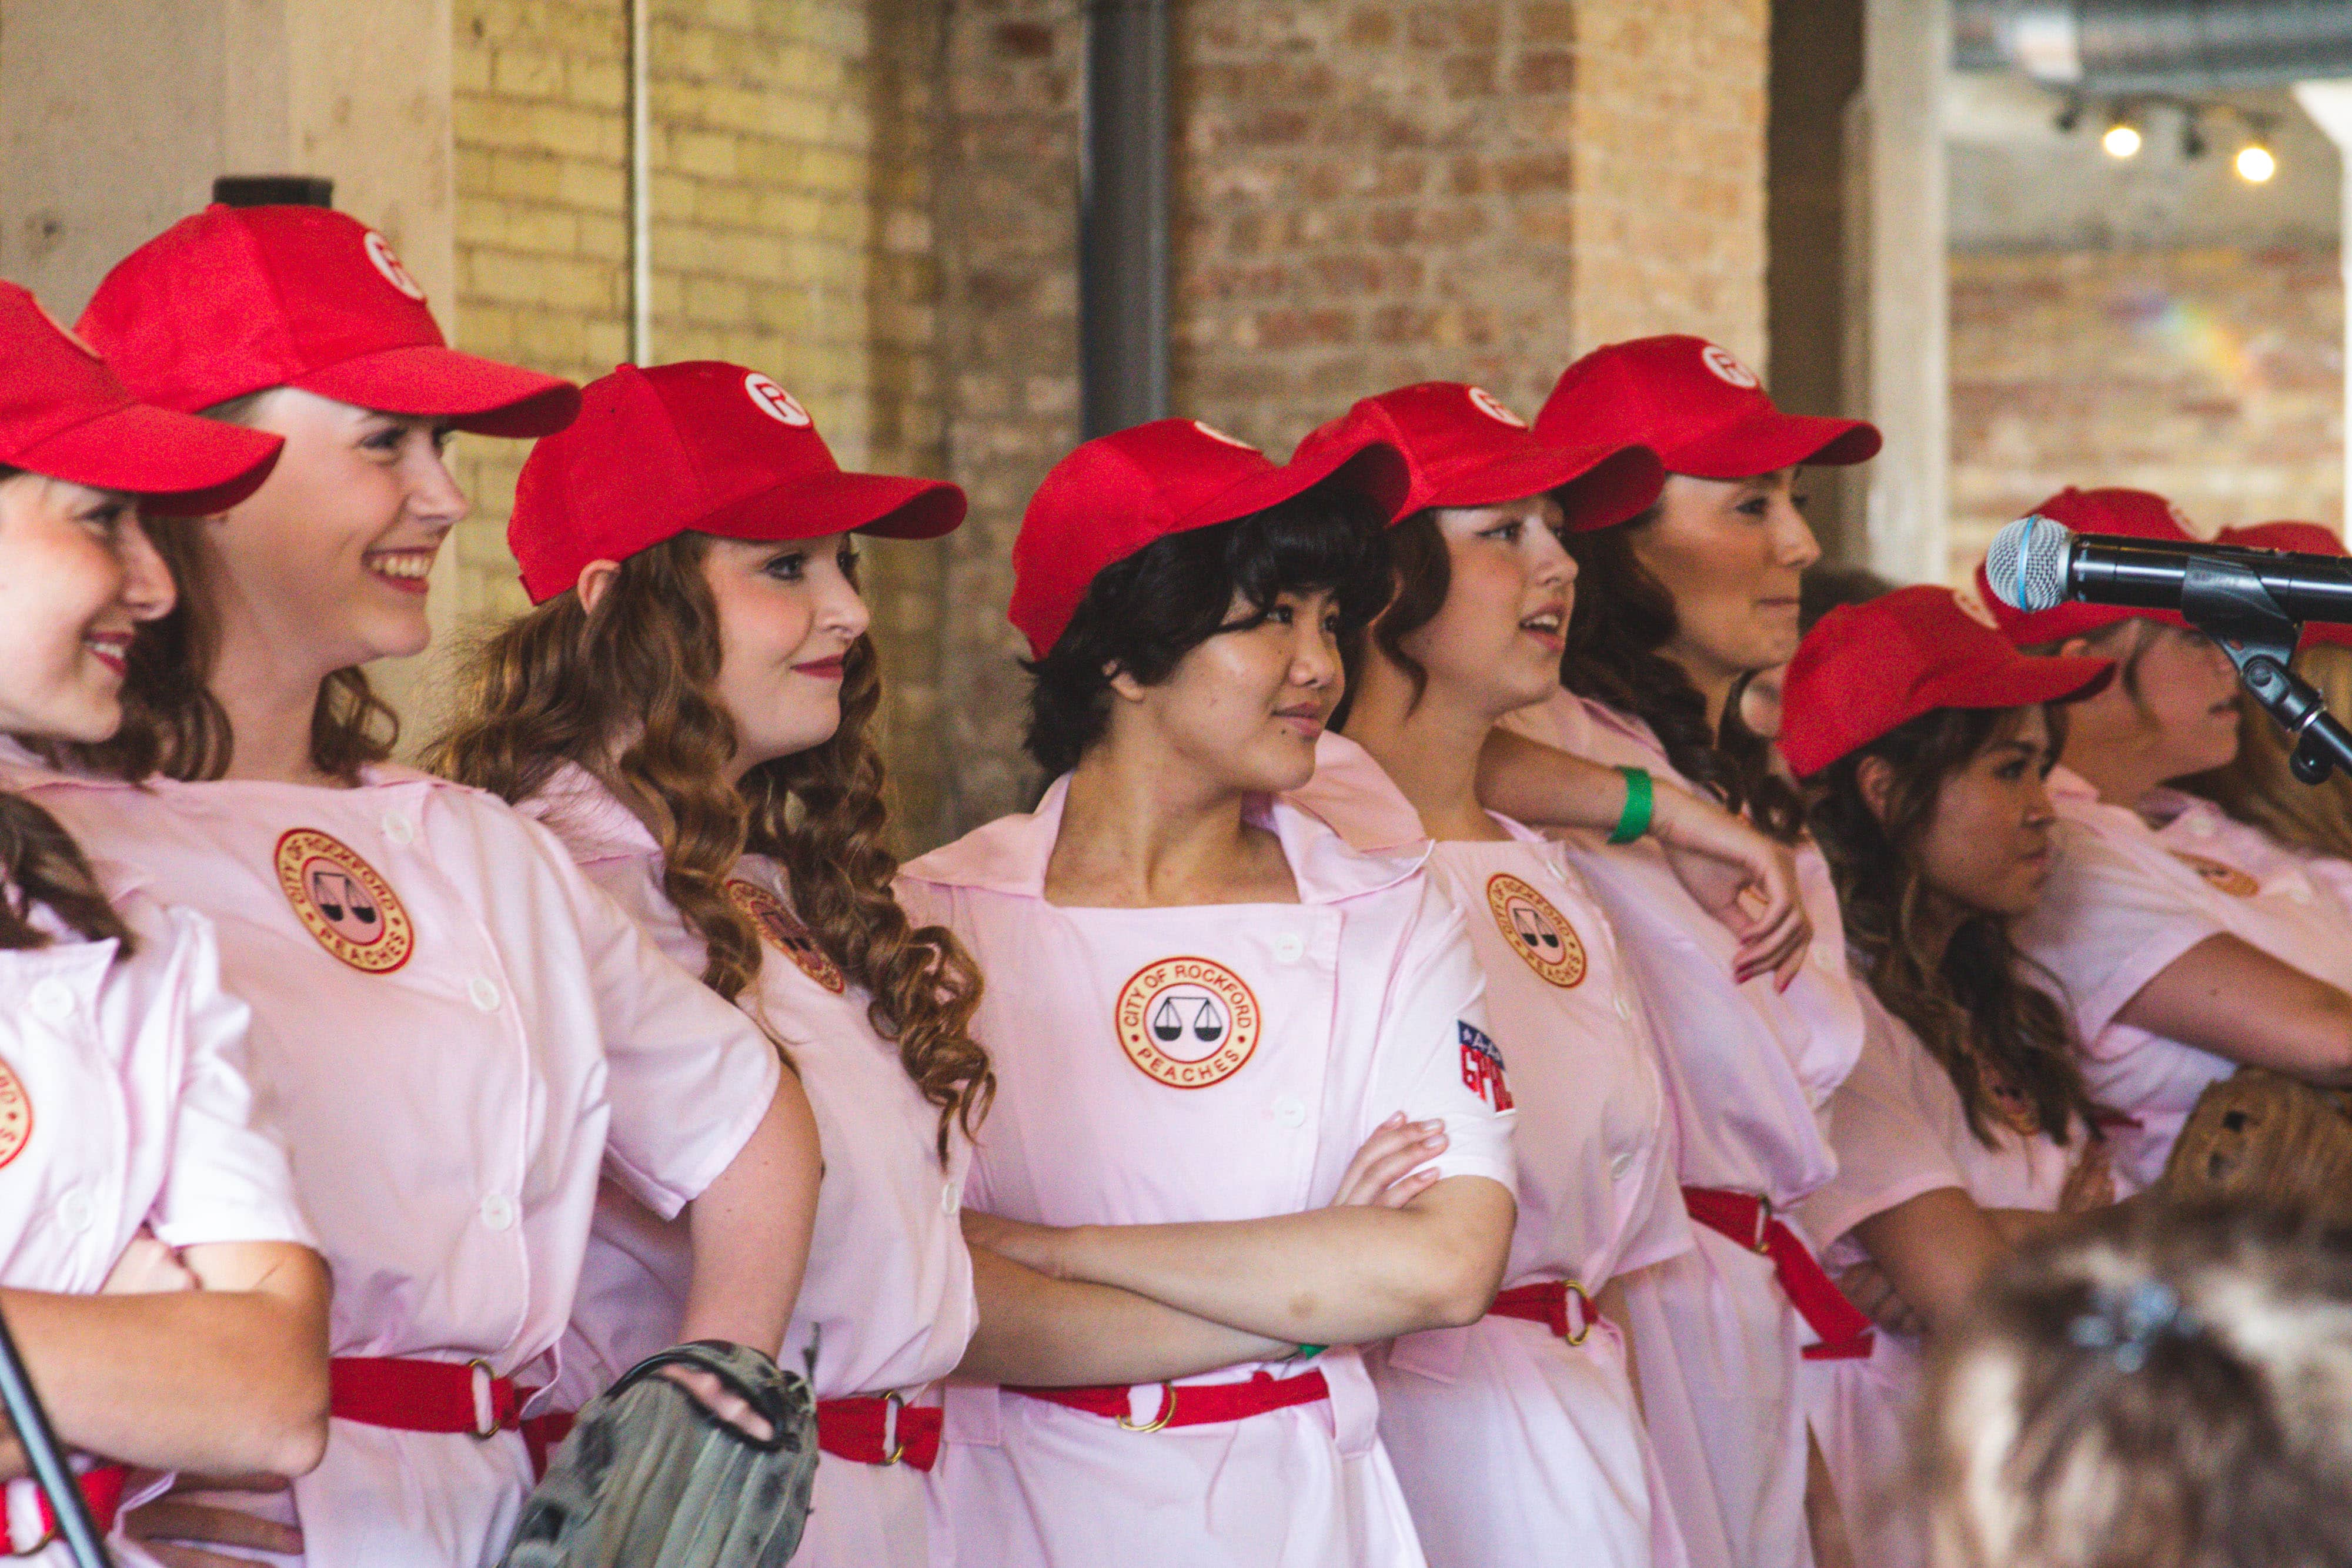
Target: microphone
{"points": [[2036, 564]]}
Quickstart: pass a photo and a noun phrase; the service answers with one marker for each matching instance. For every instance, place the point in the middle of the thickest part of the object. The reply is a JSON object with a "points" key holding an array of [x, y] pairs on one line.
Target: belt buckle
{"points": [[1583, 1315], [1763, 1242], [486, 1400], [1167, 1412], [894, 1448]]}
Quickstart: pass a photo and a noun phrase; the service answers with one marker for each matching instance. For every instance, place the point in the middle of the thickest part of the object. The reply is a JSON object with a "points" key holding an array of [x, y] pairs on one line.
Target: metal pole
{"points": [[48, 1460], [1123, 217], [640, 189]]}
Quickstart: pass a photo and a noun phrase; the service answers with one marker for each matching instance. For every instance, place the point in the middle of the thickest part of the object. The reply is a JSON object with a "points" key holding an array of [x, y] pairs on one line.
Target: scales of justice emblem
{"points": [[1187, 1022]]}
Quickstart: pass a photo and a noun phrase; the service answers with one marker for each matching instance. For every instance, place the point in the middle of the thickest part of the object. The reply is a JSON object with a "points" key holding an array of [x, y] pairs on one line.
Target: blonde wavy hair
{"points": [[2259, 787], [628, 692]]}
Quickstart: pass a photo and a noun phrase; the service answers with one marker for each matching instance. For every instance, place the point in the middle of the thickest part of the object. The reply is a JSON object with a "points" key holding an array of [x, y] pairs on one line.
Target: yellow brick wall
{"points": [[789, 227]]}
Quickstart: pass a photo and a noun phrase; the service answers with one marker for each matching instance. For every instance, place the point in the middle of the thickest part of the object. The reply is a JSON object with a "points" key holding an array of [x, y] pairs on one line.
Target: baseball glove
{"points": [[649, 1478], [2263, 1135]]}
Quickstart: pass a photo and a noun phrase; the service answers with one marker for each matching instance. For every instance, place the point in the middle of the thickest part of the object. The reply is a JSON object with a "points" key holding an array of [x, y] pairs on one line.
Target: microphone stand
{"points": [[57, 1479], [2227, 601]]}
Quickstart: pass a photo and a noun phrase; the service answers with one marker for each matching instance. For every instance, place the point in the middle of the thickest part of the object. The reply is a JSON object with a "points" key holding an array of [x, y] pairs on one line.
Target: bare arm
{"points": [[229, 1376], [1331, 1276], [1934, 1251], [2234, 999], [1746, 881]]}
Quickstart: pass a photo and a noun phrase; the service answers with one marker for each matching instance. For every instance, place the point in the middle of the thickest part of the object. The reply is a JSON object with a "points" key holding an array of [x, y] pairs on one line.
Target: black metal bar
{"points": [[1123, 217], [48, 1460], [274, 191]]}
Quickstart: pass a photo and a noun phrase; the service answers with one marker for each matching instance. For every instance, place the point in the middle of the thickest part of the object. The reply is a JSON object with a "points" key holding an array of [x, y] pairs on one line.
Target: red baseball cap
{"points": [[2303, 539], [1118, 493], [65, 413], [2141, 514], [1467, 449], [1866, 669], [240, 299], [701, 446], [1703, 411]]}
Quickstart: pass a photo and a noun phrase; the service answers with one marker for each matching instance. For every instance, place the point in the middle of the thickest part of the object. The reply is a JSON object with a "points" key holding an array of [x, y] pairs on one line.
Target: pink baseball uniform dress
{"points": [[886, 1307], [1520, 1431], [124, 1103], [453, 1031], [1206, 1064], [2126, 897], [1900, 1130], [1720, 1331]]}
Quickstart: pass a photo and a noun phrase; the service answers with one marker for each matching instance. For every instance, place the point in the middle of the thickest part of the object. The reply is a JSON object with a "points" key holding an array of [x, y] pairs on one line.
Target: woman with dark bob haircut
{"points": [[1230, 1051], [1925, 742]]}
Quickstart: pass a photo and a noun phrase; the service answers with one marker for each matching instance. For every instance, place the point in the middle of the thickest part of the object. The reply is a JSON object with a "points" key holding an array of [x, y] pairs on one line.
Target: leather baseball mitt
{"points": [[649, 1478], [2263, 1135]]}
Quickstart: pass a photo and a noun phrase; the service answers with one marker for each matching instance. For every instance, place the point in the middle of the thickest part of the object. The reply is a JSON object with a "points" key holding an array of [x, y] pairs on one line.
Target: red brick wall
{"points": [[2213, 376]]}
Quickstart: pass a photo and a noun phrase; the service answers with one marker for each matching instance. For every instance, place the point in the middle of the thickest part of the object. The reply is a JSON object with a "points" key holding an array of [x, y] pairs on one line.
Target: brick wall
{"points": [[2212, 375], [1365, 194]]}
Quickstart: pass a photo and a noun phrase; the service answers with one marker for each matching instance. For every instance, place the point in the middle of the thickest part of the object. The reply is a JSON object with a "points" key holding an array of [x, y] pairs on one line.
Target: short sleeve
{"points": [[688, 1075], [1437, 1057], [2109, 922], [228, 1181], [1890, 1127]]}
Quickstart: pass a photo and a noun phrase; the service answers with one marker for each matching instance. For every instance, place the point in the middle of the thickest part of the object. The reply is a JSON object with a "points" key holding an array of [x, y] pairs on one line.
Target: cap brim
{"points": [[2025, 681], [1770, 441], [884, 505], [1597, 486], [178, 465], [472, 393], [1377, 470]]}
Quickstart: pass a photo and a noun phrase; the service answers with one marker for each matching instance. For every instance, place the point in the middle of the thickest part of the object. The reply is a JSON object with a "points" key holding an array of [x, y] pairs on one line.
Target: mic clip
{"points": [[2227, 601]]}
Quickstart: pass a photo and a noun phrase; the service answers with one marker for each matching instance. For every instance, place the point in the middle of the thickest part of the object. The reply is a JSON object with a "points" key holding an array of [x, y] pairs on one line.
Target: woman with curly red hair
{"points": [[688, 708]]}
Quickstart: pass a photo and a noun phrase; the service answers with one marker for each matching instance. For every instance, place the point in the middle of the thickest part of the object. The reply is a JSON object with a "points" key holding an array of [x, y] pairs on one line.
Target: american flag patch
{"points": [[1482, 1067]]}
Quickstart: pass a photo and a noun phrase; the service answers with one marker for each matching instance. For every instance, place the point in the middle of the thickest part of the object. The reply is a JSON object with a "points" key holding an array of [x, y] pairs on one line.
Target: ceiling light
{"points": [[2255, 163], [2122, 140]]}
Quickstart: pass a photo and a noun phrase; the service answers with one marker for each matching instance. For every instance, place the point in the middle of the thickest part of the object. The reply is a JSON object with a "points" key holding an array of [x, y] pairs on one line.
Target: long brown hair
{"points": [[2259, 787], [1971, 1005], [628, 692], [172, 723], [41, 866], [1623, 617]]}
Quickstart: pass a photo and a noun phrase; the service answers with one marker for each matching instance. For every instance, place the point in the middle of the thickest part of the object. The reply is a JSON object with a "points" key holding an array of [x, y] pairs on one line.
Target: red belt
{"points": [[410, 1396], [1546, 1302], [1843, 1330], [101, 1488], [1192, 1404], [879, 1431], [863, 1431]]}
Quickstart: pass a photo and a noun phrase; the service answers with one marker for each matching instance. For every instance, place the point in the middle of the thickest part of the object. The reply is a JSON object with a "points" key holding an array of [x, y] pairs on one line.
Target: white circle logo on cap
{"points": [[1728, 369], [379, 251], [775, 402], [1490, 405], [1213, 434]]}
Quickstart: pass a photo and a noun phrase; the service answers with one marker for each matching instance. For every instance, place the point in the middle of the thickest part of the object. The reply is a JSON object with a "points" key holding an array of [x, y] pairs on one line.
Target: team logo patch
{"points": [[1536, 932], [16, 1114], [1482, 1067], [775, 402], [379, 251], [343, 903], [1188, 1022], [783, 930], [1490, 405], [1213, 434], [2228, 878], [1727, 368]]}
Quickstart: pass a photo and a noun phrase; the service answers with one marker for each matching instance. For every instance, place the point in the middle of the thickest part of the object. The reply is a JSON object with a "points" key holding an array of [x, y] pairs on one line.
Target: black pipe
{"points": [[1123, 217], [2158, 46]]}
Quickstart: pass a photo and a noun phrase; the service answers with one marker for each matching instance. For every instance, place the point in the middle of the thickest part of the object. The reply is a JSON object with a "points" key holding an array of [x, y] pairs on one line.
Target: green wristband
{"points": [[1307, 1352], [1640, 799]]}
